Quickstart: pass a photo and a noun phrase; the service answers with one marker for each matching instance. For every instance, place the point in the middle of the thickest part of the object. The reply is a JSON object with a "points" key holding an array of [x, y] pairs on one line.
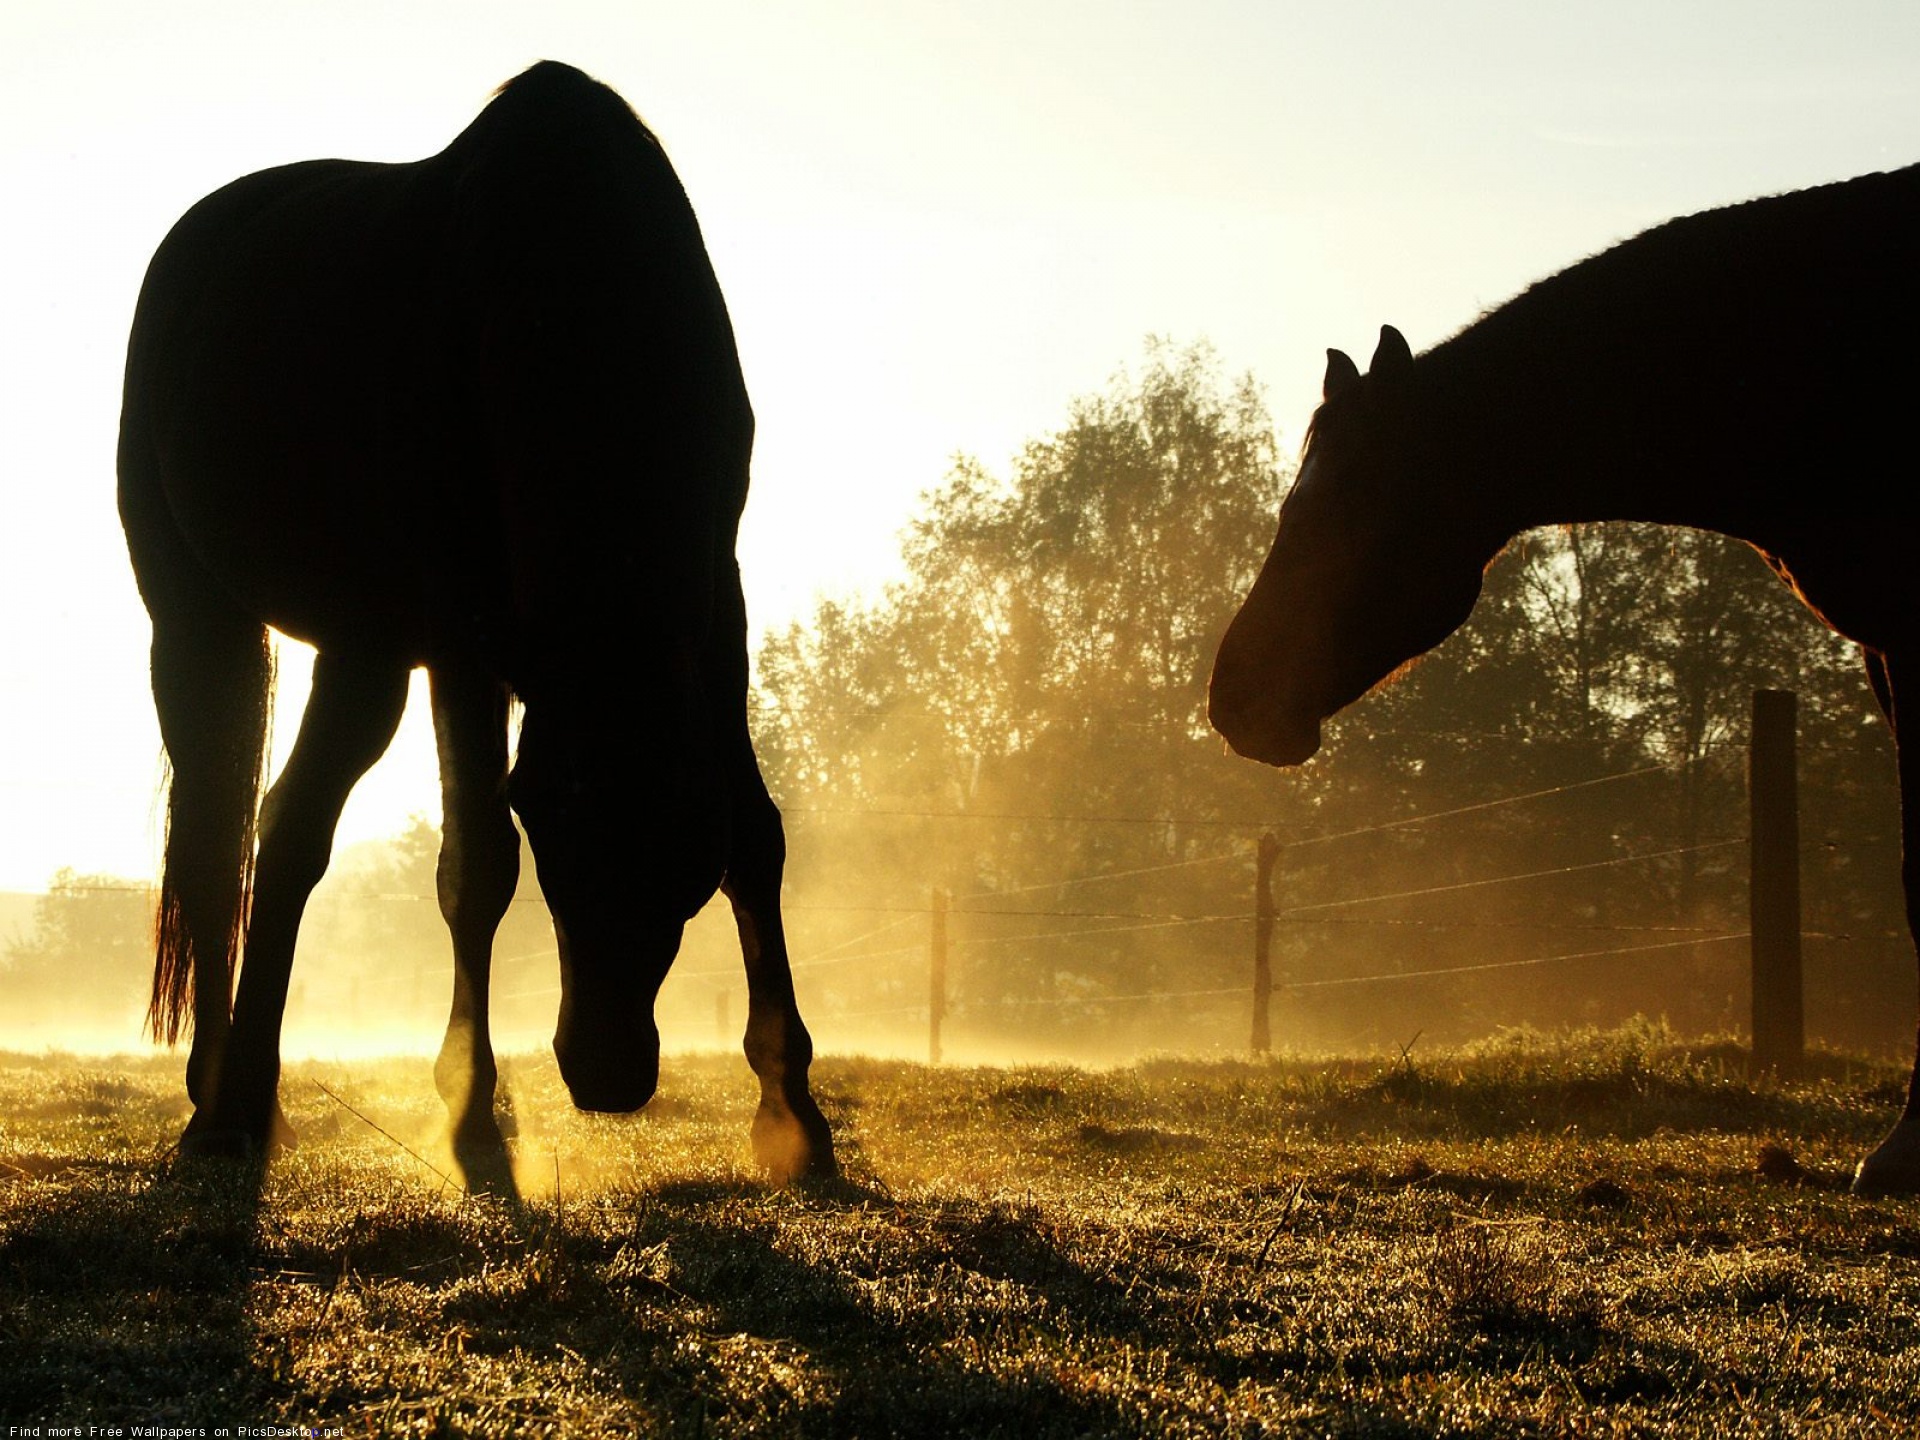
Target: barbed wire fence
{"points": [[1093, 923], [954, 930], [902, 957]]}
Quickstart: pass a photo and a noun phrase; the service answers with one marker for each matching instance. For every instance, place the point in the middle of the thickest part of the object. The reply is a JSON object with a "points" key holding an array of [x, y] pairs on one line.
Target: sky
{"points": [[935, 224]]}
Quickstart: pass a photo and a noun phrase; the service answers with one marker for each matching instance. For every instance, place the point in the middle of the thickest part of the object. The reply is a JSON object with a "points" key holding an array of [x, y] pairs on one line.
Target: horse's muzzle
{"points": [[1259, 729], [1272, 746], [609, 1056], [611, 1082]]}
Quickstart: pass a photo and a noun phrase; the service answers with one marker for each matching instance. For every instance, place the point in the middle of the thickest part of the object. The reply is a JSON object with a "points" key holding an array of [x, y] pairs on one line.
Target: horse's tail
{"points": [[219, 713]]}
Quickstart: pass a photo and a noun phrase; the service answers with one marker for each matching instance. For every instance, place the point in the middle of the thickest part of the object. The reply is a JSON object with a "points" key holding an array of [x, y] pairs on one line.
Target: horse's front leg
{"points": [[1894, 1165], [790, 1135], [479, 868], [350, 718]]}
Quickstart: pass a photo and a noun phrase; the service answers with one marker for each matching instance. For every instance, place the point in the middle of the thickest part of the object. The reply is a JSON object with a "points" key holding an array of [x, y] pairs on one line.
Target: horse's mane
{"points": [[1331, 410]]}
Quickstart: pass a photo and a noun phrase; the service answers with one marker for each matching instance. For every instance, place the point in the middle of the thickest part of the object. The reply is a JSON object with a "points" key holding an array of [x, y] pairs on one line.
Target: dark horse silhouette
{"points": [[480, 413], [1744, 370]]}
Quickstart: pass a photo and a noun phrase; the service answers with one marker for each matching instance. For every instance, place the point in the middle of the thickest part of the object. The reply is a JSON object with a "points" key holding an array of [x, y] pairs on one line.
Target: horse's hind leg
{"points": [[479, 868], [1894, 1166], [212, 682], [351, 715]]}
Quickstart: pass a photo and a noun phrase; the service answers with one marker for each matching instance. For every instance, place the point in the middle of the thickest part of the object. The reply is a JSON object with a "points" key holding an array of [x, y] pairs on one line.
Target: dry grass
{"points": [[1581, 1235]]}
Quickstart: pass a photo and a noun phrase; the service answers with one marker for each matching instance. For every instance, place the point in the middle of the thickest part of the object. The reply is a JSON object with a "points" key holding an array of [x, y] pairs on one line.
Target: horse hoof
{"points": [[212, 1144], [484, 1163], [793, 1146], [1893, 1168], [203, 1140]]}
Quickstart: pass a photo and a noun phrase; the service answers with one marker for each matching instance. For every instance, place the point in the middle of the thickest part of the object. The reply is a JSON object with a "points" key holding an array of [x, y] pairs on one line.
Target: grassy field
{"points": [[1585, 1235]]}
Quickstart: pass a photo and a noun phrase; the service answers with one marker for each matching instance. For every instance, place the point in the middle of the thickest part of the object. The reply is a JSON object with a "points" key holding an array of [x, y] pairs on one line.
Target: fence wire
{"points": [[981, 905]]}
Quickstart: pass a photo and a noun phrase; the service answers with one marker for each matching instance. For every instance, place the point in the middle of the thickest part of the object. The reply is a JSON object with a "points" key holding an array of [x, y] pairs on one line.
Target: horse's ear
{"points": [[1341, 372], [1392, 354]]}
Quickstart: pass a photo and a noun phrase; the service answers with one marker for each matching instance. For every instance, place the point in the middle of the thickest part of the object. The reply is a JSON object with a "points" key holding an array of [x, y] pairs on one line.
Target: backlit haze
{"points": [[935, 225]]}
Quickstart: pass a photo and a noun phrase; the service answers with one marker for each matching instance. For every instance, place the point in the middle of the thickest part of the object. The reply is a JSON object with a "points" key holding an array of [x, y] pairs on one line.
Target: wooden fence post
{"points": [[937, 975], [1779, 1026], [1264, 859]]}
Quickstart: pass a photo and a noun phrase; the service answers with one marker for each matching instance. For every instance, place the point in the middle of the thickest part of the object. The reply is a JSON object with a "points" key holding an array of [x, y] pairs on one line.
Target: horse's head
{"points": [[1373, 565], [626, 813]]}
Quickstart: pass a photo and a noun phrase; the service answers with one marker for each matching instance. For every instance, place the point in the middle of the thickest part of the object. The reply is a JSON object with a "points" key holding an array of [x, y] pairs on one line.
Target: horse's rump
{"points": [[479, 381]]}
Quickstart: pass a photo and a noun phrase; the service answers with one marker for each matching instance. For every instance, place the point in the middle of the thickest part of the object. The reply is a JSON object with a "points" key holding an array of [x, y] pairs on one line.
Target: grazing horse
{"points": [[1745, 370], [480, 413]]}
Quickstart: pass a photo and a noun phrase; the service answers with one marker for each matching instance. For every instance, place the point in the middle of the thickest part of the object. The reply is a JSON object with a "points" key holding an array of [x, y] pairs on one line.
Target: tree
{"points": [[1633, 651], [83, 973], [1028, 708]]}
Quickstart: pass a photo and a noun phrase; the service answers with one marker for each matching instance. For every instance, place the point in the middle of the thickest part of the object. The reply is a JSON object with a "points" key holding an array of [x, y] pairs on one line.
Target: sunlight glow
{"points": [[933, 233]]}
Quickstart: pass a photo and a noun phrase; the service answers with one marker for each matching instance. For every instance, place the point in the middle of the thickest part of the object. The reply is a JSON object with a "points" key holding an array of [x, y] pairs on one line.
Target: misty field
{"points": [[1594, 1234]]}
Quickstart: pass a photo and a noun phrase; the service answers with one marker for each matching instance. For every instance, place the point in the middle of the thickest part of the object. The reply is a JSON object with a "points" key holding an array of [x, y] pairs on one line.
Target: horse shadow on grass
{"points": [[829, 1307], [839, 1308], [1018, 1318], [125, 1289], [125, 1283]]}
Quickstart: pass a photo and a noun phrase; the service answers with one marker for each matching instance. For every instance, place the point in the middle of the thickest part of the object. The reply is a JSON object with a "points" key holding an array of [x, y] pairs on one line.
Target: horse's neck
{"points": [[1702, 373], [1533, 439]]}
